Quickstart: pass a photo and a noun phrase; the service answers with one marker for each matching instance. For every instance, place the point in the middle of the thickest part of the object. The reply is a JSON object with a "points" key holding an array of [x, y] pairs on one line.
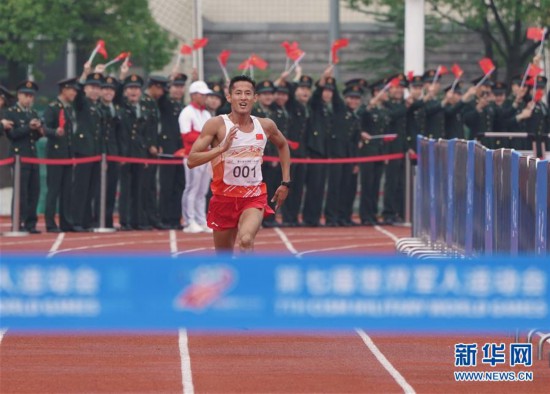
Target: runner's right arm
{"points": [[200, 154]]}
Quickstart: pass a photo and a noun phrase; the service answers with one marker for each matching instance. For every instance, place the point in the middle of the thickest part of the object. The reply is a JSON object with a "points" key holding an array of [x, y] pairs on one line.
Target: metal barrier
{"points": [[471, 201]]}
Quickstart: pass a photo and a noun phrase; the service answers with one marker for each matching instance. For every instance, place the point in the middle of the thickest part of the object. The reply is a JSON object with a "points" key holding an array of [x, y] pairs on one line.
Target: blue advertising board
{"points": [[124, 292]]}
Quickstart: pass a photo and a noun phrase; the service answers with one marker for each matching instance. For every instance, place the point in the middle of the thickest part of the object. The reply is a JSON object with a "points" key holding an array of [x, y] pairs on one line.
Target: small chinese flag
{"points": [[394, 82], [259, 136], [389, 137], [538, 95], [224, 56], [245, 64], [101, 48], [61, 119], [293, 51], [186, 50], [258, 62], [336, 45], [535, 33], [443, 70], [486, 65], [122, 56], [410, 76], [199, 43], [534, 70], [457, 71]]}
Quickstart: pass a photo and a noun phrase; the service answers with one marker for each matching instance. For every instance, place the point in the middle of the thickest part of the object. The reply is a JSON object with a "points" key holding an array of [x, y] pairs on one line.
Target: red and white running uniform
{"points": [[237, 178]]}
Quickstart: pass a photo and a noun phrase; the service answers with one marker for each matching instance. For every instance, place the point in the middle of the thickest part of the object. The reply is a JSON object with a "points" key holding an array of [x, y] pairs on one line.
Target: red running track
{"points": [[240, 361]]}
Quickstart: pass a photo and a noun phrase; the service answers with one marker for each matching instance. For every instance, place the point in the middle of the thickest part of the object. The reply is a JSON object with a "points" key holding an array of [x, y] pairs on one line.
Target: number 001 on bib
{"points": [[242, 171]]}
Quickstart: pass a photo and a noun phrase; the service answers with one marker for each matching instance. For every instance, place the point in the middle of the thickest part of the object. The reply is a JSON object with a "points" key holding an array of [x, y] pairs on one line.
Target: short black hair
{"points": [[242, 78]]}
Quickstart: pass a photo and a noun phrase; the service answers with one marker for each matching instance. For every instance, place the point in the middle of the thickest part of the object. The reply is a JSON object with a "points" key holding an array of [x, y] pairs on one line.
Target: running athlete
{"points": [[237, 141]]}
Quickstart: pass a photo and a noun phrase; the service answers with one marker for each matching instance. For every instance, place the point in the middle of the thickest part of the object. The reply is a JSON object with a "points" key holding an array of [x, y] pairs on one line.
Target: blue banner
{"points": [[273, 293]]}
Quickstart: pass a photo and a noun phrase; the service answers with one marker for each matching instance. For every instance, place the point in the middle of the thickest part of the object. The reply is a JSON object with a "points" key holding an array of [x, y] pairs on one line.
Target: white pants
{"points": [[193, 200]]}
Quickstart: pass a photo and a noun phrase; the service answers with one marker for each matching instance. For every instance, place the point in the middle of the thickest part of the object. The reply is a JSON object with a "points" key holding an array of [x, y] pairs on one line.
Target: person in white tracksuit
{"points": [[197, 180]]}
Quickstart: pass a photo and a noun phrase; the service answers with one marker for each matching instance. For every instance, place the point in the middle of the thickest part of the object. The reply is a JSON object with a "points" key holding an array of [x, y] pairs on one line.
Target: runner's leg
{"points": [[249, 224], [225, 240]]}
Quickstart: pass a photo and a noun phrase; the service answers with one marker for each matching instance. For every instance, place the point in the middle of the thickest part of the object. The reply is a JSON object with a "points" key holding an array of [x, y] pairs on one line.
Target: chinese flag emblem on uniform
{"points": [[259, 136]]}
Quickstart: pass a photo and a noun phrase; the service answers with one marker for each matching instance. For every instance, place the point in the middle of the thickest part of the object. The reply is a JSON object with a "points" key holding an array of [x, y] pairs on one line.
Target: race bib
{"points": [[242, 171]]}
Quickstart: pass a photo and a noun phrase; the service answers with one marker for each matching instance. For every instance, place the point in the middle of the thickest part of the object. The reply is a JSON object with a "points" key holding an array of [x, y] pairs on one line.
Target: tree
{"points": [[34, 27], [388, 49], [500, 24]]}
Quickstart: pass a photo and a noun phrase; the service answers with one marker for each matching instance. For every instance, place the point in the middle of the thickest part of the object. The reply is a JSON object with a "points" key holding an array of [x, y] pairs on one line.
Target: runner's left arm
{"points": [[279, 140]]}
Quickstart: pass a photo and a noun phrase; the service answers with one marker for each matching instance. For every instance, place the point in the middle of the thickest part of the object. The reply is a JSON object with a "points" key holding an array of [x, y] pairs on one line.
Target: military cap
{"points": [[402, 79], [157, 80], [541, 81], [500, 88], [179, 79], [4, 92], [265, 87], [27, 87], [282, 87], [330, 83], [429, 76], [361, 82], [68, 83], [305, 81], [133, 80], [353, 91], [216, 88], [110, 82], [378, 85], [416, 80], [486, 82], [516, 79], [458, 88], [94, 79]]}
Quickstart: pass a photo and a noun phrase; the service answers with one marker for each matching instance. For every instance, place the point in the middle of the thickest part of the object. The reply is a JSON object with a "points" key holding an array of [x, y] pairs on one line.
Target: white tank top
{"points": [[238, 171]]}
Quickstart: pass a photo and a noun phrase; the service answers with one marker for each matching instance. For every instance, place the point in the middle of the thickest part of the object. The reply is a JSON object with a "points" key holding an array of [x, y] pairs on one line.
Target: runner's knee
{"points": [[246, 241]]}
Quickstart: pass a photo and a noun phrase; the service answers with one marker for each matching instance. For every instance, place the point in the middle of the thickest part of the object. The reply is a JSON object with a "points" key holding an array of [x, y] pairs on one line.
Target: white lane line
{"points": [[56, 245], [362, 245], [173, 243], [386, 232], [399, 379], [186, 375], [285, 240], [191, 251], [3, 332]]}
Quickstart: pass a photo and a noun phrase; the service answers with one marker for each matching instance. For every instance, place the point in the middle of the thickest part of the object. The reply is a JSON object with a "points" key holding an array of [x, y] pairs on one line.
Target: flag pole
{"points": [[525, 75], [224, 70], [485, 77], [437, 71], [296, 62], [93, 54], [541, 46], [455, 82]]}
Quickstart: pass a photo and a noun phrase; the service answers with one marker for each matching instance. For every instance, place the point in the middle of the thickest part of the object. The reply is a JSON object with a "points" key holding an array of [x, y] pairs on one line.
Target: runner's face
{"points": [[242, 97]]}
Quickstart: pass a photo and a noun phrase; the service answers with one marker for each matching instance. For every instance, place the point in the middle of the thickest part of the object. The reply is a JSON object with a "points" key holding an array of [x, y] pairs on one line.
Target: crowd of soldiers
{"points": [[97, 114]]}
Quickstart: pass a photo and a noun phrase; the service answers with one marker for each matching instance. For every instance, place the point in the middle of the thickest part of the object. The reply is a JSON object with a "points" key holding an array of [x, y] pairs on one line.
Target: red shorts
{"points": [[224, 212]]}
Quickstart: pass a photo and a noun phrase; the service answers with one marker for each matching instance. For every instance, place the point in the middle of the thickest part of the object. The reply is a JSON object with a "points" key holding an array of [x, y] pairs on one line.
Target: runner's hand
{"points": [[280, 196], [229, 140]]}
